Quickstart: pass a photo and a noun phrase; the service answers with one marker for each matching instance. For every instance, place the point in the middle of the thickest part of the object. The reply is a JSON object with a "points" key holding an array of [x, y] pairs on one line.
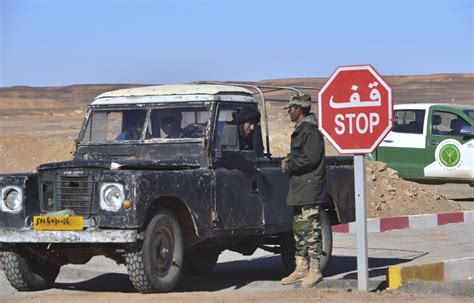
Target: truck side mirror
{"points": [[467, 131], [230, 138]]}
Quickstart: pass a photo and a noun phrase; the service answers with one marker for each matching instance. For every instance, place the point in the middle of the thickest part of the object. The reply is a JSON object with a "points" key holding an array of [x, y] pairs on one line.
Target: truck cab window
{"points": [[409, 121], [247, 120], [446, 123]]}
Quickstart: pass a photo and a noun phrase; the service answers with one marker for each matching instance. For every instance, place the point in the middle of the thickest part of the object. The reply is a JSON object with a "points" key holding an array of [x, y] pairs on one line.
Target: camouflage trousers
{"points": [[307, 231]]}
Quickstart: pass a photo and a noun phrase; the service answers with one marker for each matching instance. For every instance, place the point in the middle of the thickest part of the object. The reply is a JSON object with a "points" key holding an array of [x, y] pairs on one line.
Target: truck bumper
{"points": [[85, 236]]}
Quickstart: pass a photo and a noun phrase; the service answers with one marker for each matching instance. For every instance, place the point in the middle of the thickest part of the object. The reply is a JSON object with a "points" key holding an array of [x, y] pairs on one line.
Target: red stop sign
{"points": [[355, 109]]}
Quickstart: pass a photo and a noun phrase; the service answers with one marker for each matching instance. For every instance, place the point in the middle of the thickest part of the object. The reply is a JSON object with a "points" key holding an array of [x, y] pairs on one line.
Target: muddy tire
{"points": [[26, 273], [157, 266], [287, 242], [200, 263]]}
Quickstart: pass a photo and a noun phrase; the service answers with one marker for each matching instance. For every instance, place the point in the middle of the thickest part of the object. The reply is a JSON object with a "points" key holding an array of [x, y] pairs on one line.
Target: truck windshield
{"points": [[115, 125], [177, 123], [133, 125], [470, 113]]}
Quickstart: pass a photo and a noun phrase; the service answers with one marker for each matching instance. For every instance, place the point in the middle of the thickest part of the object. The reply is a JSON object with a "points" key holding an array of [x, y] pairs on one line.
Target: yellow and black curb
{"points": [[451, 270]]}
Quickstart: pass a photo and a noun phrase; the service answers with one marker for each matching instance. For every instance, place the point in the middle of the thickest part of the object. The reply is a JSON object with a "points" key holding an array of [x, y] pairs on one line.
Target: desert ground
{"points": [[40, 124]]}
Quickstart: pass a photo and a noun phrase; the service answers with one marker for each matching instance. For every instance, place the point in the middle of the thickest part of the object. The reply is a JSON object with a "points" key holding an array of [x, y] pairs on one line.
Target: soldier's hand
{"points": [[284, 164]]}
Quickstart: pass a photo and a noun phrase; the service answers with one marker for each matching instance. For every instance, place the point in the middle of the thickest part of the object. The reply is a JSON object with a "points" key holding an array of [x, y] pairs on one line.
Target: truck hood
{"points": [[123, 164]]}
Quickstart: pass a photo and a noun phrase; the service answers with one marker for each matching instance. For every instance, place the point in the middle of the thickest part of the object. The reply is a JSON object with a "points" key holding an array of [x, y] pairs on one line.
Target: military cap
{"points": [[302, 100]]}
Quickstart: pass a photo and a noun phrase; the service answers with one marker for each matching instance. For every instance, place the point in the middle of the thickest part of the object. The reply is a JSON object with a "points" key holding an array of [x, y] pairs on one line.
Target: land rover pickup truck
{"points": [[164, 202], [431, 143]]}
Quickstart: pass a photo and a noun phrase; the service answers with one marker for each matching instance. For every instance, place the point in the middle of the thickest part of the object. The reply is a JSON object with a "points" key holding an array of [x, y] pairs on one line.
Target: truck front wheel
{"points": [[287, 242], [25, 272], [156, 267]]}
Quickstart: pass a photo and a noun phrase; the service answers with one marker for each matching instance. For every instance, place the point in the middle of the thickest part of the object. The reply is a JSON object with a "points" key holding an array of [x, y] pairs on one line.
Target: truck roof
{"points": [[175, 93], [426, 106]]}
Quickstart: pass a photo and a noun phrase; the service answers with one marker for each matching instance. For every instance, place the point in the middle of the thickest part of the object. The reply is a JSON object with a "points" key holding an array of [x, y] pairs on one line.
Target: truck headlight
{"points": [[111, 196], [12, 199]]}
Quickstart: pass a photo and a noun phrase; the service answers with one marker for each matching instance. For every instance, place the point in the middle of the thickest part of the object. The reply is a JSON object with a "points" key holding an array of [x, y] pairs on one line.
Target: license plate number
{"points": [[58, 223]]}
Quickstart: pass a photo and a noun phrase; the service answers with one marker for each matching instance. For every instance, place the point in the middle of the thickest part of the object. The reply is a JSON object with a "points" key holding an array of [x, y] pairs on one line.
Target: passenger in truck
{"points": [[247, 120]]}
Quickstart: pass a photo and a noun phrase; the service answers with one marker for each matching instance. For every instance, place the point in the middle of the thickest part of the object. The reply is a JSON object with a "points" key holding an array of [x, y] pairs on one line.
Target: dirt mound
{"points": [[388, 195]]}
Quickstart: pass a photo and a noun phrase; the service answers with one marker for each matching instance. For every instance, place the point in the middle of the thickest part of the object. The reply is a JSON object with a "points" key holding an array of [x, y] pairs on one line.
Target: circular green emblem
{"points": [[449, 155]]}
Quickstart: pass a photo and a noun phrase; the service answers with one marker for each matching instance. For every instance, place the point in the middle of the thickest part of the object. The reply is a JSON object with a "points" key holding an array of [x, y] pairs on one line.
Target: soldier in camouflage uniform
{"points": [[307, 191]]}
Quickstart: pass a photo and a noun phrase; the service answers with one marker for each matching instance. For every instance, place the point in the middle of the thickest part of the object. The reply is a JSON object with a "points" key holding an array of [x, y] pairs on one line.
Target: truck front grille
{"points": [[75, 193]]}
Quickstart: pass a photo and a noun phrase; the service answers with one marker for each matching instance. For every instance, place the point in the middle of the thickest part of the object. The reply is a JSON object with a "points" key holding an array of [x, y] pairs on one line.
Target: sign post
{"points": [[355, 113], [361, 223]]}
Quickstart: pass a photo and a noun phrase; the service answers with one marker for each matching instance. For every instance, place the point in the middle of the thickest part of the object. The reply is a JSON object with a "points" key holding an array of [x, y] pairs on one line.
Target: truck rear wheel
{"points": [[288, 246], [157, 266], [25, 272]]}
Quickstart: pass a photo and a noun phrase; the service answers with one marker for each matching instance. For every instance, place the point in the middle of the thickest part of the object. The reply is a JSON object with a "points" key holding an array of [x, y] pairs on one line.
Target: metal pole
{"points": [[361, 222]]}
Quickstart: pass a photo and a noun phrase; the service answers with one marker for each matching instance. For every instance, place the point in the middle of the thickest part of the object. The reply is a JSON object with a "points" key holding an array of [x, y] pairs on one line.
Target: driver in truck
{"points": [[247, 119], [170, 123], [132, 125]]}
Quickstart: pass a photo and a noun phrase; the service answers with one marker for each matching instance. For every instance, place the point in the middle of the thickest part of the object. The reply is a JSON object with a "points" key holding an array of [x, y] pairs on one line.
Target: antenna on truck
{"points": [[262, 90]]}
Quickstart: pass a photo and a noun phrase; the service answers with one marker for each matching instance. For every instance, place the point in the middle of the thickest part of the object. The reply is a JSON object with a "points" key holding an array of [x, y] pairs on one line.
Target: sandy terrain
{"points": [[40, 125], [293, 295]]}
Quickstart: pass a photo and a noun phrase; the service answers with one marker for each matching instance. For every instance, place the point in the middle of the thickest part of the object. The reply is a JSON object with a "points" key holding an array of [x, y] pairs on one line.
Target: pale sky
{"points": [[53, 42]]}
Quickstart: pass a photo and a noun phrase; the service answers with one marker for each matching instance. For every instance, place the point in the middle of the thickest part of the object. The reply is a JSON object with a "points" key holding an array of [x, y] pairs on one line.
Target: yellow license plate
{"points": [[58, 223]]}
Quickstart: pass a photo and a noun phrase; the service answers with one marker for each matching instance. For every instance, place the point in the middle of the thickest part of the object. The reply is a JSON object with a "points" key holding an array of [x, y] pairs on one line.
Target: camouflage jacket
{"points": [[306, 165]]}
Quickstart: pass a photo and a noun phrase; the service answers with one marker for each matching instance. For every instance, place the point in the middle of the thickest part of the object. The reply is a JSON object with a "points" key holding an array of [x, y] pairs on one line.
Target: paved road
{"points": [[262, 271]]}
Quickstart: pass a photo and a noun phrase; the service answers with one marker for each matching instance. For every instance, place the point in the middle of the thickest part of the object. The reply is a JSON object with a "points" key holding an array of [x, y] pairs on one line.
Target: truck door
{"points": [[404, 147], [447, 153], [238, 181]]}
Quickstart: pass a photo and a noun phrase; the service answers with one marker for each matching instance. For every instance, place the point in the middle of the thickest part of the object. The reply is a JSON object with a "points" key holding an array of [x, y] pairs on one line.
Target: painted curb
{"points": [[451, 270], [403, 222]]}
